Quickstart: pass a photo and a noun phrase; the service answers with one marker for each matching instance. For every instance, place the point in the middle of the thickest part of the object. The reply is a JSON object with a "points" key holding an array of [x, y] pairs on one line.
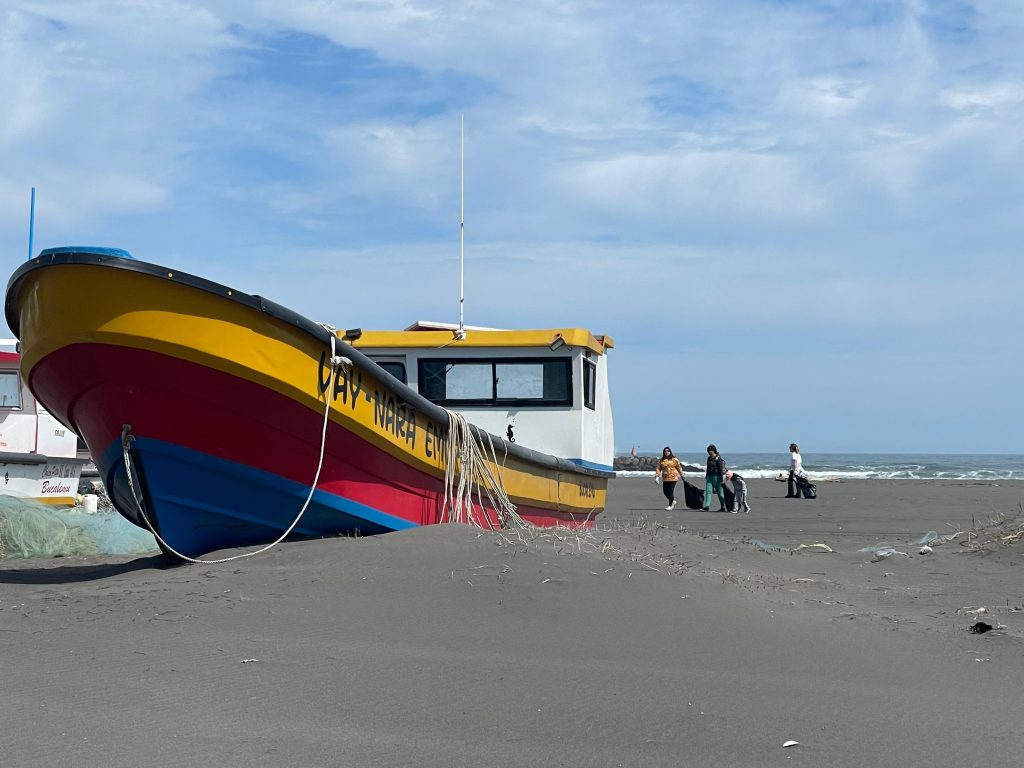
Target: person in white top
{"points": [[796, 469]]}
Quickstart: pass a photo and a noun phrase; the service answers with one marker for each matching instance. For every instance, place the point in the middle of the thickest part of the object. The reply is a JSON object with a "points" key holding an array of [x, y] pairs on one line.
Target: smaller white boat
{"points": [[39, 456]]}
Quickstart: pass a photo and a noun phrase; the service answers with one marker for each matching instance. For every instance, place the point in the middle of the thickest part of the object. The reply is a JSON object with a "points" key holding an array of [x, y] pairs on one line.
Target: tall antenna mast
{"points": [[461, 334], [31, 223]]}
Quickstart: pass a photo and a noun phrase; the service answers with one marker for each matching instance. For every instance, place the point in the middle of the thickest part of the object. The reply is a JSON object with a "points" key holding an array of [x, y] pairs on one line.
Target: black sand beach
{"points": [[663, 639]]}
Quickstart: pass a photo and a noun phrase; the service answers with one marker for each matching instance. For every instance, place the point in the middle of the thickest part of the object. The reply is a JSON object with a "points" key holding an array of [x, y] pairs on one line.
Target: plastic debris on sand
{"points": [[882, 551], [763, 546]]}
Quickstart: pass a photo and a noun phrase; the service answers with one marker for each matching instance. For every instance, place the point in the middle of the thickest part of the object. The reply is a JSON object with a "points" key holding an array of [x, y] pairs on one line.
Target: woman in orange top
{"points": [[668, 473]]}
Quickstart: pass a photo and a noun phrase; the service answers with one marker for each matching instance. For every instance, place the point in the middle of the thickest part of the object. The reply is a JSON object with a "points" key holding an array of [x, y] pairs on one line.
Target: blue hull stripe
{"points": [[593, 465], [202, 502]]}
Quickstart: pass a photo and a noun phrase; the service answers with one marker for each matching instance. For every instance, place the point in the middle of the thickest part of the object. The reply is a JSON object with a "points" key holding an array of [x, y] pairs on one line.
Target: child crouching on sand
{"points": [[739, 490]]}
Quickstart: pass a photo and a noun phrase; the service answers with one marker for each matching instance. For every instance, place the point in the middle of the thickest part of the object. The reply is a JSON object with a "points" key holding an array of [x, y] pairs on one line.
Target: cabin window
{"points": [[393, 364], [509, 381], [589, 384], [10, 389], [395, 369], [465, 381]]}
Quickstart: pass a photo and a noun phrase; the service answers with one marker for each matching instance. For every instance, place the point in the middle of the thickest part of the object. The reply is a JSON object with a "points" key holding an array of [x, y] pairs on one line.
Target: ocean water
{"points": [[868, 466]]}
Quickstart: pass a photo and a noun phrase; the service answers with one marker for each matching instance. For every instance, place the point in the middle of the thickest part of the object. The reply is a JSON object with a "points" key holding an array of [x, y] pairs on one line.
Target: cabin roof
{"points": [[430, 335]]}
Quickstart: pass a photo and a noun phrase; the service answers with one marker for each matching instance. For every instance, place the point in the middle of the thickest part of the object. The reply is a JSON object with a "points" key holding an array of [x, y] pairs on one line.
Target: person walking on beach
{"points": [[713, 479], [668, 473], [796, 469], [739, 489]]}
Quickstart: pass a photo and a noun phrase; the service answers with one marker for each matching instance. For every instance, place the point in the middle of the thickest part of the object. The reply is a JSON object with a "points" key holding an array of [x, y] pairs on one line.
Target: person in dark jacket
{"points": [[713, 479]]}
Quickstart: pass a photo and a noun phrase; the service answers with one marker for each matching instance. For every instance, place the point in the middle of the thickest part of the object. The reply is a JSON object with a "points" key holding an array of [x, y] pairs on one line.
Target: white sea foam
{"points": [[751, 474], [863, 466], [854, 474]]}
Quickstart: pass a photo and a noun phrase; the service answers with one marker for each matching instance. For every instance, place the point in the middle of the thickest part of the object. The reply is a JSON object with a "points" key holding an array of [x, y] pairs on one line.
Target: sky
{"points": [[799, 221]]}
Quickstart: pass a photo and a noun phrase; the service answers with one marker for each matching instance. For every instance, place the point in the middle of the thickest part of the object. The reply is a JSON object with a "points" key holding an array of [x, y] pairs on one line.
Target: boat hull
{"points": [[223, 396]]}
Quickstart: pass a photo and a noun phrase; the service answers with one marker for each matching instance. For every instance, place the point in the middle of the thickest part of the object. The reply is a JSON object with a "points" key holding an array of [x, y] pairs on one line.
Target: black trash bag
{"points": [[730, 497], [693, 496], [806, 488]]}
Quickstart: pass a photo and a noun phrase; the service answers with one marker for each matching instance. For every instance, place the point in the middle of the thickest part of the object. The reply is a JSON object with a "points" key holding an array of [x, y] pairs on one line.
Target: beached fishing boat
{"points": [[38, 455], [221, 419]]}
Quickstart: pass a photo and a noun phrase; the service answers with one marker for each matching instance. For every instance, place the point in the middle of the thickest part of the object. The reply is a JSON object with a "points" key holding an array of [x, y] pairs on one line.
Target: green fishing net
{"points": [[31, 529]]}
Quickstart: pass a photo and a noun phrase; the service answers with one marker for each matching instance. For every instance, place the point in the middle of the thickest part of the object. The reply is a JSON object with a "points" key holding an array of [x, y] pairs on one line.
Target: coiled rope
{"points": [[127, 439], [469, 464]]}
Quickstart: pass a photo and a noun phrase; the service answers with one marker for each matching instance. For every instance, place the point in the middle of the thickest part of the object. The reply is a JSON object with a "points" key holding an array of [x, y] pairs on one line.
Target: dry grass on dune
{"points": [[998, 531]]}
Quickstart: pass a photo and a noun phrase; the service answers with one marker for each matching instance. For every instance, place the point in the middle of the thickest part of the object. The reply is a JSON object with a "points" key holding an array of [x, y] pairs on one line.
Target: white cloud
{"points": [[824, 97], [723, 181], [991, 97], [394, 156]]}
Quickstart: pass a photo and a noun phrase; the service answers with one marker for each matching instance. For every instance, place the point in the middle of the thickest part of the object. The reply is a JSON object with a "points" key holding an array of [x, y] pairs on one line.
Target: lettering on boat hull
{"points": [[373, 405]]}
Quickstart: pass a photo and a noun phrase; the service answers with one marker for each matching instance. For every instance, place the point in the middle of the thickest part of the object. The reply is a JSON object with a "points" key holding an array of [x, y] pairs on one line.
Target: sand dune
{"points": [[663, 639]]}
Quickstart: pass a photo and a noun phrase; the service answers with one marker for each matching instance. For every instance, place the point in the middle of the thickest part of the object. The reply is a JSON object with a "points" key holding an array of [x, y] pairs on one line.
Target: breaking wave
{"points": [[979, 467]]}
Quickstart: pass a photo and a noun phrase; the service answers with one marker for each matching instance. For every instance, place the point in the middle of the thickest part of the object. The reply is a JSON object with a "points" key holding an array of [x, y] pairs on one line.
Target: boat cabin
{"points": [[26, 427], [38, 455], [546, 390]]}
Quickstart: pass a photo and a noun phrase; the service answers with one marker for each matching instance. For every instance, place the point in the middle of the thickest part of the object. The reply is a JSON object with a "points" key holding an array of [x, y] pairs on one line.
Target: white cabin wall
{"points": [[607, 450], [31, 429], [54, 438], [18, 425], [597, 436], [17, 431]]}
